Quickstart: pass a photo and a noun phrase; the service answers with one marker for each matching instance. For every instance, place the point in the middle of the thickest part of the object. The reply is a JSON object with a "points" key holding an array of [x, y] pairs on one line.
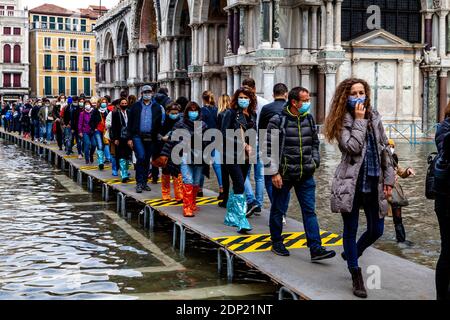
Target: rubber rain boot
{"points": [[188, 193], [165, 187], [230, 217], [240, 207], [178, 188], [124, 169], [194, 198], [100, 159], [114, 166]]}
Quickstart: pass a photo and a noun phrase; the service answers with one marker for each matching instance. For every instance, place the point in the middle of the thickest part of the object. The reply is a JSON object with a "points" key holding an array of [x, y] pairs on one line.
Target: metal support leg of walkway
{"points": [[230, 260], [79, 177], [284, 291], [105, 192], [178, 225], [121, 204], [90, 183], [150, 212]]}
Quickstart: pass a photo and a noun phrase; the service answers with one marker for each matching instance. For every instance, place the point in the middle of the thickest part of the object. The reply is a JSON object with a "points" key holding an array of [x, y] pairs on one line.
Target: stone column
{"points": [[276, 25], [330, 84], [194, 45], [443, 91], [265, 24], [242, 30], [170, 54], [117, 68], [154, 65], [230, 84], [223, 79], [245, 72], [314, 44], [236, 31], [236, 78], [323, 25], [107, 72], [305, 31], [230, 38], [428, 30], [216, 45], [442, 33], [425, 99], [432, 116], [337, 24], [206, 81], [305, 71], [268, 78], [177, 89], [196, 88], [399, 93], [320, 110], [448, 36], [141, 66], [205, 44], [330, 26], [187, 89], [176, 53]]}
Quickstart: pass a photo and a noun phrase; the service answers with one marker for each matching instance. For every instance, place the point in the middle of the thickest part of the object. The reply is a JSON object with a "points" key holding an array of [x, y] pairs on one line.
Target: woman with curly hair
{"points": [[365, 176]]}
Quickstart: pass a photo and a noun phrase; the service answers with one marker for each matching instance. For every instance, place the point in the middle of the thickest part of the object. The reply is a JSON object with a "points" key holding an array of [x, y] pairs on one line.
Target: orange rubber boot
{"points": [[187, 200], [165, 187], [178, 187], [194, 199]]}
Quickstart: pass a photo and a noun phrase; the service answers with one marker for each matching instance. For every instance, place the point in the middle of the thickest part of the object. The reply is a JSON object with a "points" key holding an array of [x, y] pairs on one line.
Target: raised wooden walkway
{"points": [[298, 277]]}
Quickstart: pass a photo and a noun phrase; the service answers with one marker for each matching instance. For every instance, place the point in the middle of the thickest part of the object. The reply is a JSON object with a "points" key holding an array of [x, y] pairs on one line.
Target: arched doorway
{"points": [[122, 52]]}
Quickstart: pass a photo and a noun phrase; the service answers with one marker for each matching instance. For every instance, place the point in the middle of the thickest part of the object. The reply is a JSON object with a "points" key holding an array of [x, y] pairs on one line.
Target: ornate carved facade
{"points": [[194, 45]]}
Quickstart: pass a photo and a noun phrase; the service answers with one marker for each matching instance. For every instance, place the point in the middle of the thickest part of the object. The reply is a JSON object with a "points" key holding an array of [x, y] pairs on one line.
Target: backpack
{"points": [[430, 193]]}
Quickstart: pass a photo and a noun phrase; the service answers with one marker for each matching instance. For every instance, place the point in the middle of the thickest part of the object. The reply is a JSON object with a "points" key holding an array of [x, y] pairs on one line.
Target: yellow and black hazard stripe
{"points": [[74, 156], [201, 201], [119, 181], [262, 243], [90, 168]]}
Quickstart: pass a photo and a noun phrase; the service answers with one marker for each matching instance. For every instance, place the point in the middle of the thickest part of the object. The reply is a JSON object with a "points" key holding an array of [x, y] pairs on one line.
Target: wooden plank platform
{"points": [[399, 279]]}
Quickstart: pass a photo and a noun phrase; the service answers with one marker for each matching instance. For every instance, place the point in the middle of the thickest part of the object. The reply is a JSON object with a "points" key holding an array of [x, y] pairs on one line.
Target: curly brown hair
{"points": [[334, 120], [249, 93]]}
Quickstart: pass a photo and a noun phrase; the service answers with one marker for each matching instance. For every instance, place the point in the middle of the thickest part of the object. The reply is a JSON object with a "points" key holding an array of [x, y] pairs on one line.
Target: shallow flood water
{"points": [[58, 241]]}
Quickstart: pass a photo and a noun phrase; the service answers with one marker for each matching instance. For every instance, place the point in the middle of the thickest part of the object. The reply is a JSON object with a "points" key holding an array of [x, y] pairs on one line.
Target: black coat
{"points": [[185, 124], [122, 151], [269, 110], [134, 120], [236, 120], [442, 130], [299, 149]]}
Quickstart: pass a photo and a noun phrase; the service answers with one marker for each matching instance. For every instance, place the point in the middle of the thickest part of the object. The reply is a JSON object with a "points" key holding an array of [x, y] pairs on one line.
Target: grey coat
{"points": [[353, 145]]}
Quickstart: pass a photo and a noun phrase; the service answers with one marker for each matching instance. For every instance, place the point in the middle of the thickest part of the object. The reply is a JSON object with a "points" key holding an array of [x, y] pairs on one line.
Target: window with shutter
{"points": [[7, 53]]}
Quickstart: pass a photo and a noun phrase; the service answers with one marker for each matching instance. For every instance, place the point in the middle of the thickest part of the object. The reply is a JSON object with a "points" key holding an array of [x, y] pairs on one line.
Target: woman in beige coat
{"points": [[365, 176]]}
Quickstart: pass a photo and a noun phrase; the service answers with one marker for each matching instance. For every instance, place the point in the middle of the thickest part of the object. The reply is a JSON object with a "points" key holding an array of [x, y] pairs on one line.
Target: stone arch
{"points": [[122, 39], [147, 17], [108, 48]]}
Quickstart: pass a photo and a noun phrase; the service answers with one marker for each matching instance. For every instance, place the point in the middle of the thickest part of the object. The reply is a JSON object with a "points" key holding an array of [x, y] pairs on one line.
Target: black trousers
{"points": [[238, 174], [442, 208]]}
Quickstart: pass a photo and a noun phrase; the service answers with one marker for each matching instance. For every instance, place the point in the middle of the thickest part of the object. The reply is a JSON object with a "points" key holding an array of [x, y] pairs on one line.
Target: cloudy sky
{"points": [[69, 4]]}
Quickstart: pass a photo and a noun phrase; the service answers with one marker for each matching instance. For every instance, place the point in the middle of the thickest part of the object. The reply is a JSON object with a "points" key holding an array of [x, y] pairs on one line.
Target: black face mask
{"points": [[123, 107]]}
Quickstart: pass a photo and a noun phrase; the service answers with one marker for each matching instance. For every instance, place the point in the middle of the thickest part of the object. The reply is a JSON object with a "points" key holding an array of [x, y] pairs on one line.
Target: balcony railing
{"points": [[87, 70], [73, 69], [61, 48], [61, 68]]}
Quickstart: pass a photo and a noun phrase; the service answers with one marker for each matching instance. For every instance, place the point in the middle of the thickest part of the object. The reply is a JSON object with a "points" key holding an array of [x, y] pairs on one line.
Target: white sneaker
{"points": [[284, 221], [80, 156]]}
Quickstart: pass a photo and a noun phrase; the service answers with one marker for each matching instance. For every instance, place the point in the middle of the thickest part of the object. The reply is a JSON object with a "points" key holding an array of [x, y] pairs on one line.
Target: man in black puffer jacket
{"points": [[299, 157]]}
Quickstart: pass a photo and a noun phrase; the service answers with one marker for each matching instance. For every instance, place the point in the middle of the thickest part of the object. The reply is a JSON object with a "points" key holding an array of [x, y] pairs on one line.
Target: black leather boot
{"points": [[359, 289]]}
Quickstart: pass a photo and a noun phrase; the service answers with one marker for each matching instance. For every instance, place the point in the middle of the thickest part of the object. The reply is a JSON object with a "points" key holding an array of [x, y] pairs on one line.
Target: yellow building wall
{"points": [[38, 53]]}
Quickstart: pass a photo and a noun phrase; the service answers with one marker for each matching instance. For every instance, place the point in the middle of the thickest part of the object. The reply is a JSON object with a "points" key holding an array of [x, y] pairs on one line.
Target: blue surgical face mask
{"points": [[147, 97], [193, 115], [352, 102], [104, 105], [243, 103], [306, 106], [174, 116]]}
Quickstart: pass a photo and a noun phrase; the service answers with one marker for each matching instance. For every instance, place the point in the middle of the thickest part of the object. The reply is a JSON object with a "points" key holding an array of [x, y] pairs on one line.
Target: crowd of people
{"points": [[142, 129]]}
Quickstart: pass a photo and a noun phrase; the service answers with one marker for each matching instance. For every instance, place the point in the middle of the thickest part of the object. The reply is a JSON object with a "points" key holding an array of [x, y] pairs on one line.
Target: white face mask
{"points": [[392, 150]]}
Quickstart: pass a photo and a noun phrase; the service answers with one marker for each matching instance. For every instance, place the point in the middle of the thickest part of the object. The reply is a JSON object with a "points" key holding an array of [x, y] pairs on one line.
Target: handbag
{"points": [[398, 196]]}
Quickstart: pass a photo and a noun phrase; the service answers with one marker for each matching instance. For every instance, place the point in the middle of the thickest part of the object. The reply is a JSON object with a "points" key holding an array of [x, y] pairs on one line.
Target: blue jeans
{"points": [[46, 131], [89, 146], [375, 227], [258, 196], [98, 140], [191, 173], [37, 129], [107, 152], [216, 167], [305, 190], [269, 187], [143, 151]]}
